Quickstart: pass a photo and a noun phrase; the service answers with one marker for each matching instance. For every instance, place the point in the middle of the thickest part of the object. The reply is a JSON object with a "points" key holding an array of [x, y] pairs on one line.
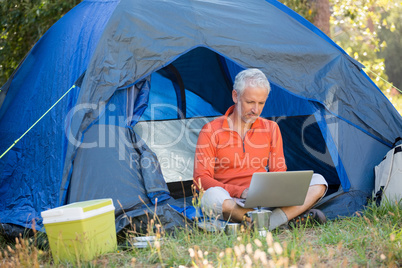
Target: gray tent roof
{"points": [[143, 36]]}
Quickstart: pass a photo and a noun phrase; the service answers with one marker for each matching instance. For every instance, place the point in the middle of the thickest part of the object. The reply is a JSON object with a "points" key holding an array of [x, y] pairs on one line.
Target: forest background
{"points": [[368, 30]]}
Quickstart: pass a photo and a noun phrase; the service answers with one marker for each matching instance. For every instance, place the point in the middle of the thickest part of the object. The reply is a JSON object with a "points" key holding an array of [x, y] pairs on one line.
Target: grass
{"points": [[372, 238]]}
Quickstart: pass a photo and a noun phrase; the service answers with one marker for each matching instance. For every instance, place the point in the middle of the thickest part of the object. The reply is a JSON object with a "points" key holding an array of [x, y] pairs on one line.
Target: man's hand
{"points": [[244, 193]]}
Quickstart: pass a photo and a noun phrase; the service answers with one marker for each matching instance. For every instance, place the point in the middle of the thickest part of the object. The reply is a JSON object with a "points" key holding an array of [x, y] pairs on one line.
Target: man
{"points": [[234, 146]]}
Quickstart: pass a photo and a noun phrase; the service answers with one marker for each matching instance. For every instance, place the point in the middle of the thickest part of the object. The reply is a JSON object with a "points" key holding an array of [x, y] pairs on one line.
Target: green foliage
{"points": [[357, 23], [23, 22], [370, 31], [391, 38], [304, 8], [355, 26], [358, 27]]}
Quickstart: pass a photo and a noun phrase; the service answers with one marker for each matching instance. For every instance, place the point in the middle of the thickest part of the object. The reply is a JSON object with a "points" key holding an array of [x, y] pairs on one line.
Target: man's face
{"points": [[250, 104]]}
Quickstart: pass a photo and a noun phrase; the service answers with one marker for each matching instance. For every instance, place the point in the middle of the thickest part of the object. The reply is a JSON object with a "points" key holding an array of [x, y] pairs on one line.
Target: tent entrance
{"points": [[174, 143], [305, 148], [200, 82], [196, 84]]}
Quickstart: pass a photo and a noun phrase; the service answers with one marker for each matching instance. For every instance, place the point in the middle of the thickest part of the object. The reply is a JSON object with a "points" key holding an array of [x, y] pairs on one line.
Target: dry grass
{"points": [[369, 239]]}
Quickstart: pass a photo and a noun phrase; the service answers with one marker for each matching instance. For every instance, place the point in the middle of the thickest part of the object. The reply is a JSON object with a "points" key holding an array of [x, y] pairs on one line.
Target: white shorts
{"points": [[212, 199]]}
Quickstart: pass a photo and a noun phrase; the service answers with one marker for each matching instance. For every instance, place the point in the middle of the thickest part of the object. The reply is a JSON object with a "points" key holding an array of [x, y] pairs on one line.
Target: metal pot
{"points": [[260, 220], [232, 228]]}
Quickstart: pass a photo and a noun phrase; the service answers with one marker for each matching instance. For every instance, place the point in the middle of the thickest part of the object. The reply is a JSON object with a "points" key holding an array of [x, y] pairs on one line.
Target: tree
{"points": [[392, 39], [23, 22], [356, 26], [304, 8], [322, 15]]}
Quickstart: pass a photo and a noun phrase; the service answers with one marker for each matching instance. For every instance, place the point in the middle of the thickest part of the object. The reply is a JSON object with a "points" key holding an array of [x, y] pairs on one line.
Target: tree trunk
{"points": [[322, 14]]}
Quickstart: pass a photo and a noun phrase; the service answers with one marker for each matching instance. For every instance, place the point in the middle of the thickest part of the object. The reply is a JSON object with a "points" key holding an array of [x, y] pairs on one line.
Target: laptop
{"points": [[277, 189]]}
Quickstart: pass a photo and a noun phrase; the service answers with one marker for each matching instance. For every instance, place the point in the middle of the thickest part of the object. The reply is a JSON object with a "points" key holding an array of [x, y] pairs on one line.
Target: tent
{"points": [[147, 75]]}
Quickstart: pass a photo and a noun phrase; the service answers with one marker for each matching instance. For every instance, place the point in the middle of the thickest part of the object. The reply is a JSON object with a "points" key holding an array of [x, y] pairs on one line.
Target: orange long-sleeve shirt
{"points": [[223, 158]]}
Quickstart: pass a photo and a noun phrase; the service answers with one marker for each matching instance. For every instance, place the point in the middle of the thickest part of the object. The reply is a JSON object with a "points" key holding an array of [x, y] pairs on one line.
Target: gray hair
{"points": [[250, 78]]}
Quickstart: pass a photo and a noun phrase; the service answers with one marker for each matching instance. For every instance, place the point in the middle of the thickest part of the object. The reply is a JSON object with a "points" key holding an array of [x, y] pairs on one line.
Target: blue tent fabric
{"points": [[181, 56], [29, 173], [333, 151], [311, 56], [115, 113], [134, 182]]}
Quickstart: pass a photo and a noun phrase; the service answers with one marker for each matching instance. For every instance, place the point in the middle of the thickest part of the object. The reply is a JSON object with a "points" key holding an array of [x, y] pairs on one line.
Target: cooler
{"points": [[81, 231]]}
